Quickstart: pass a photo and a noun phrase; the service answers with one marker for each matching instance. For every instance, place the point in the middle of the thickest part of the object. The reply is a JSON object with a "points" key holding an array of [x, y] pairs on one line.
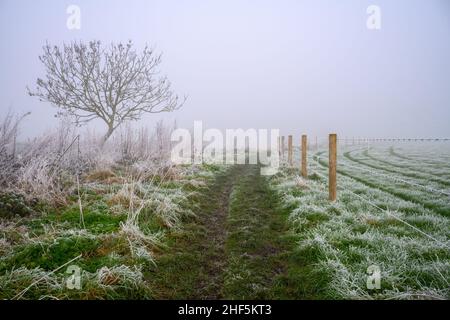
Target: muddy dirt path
{"points": [[234, 248]]}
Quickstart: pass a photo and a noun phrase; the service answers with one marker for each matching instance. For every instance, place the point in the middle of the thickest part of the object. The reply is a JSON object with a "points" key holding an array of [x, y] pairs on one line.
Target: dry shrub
{"points": [[125, 197], [100, 175], [47, 166], [9, 161], [140, 243], [114, 180]]}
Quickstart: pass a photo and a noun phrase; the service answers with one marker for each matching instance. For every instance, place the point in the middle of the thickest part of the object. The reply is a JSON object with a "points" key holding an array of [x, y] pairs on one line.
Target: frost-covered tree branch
{"points": [[114, 84]]}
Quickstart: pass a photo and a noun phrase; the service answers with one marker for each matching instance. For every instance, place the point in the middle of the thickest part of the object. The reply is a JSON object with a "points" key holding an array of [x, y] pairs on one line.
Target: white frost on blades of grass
{"points": [[23, 277], [139, 241], [107, 279], [141, 200], [146, 199], [382, 243], [120, 276]]}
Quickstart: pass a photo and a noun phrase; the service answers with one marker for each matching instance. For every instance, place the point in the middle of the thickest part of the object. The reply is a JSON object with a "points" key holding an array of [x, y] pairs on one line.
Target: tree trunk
{"points": [[108, 134]]}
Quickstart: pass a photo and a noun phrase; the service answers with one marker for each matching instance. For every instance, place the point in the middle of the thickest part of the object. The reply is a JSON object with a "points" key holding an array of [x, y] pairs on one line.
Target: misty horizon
{"points": [[233, 158], [302, 67]]}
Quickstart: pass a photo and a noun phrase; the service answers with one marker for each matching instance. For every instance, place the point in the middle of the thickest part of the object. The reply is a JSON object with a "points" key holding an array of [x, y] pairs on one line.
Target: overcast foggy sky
{"points": [[301, 66]]}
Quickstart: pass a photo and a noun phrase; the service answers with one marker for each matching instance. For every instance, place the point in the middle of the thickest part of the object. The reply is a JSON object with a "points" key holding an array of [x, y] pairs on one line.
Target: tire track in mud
{"points": [[257, 248], [191, 265], [210, 286]]}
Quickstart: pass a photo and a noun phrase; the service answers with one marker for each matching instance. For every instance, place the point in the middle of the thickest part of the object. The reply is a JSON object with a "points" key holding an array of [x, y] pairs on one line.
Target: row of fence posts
{"points": [[332, 159], [366, 140]]}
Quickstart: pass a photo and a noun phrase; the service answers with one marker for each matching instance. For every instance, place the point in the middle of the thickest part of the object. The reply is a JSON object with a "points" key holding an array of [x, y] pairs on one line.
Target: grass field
{"points": [[125, 223], [392, 211], [226, 232]]}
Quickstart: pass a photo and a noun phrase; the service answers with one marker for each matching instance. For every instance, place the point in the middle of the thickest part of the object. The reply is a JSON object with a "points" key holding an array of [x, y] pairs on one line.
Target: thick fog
{"points": [[300, 66]]}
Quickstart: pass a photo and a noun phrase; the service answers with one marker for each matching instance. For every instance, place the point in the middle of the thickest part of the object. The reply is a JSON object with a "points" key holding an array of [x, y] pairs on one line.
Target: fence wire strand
{"points": [[316, 159]]}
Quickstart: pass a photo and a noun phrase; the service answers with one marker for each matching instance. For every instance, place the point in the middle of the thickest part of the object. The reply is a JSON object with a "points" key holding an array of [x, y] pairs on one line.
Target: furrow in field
{"points": [[437, 206], [420, 159], [343, 238], [411, 174], [402, 165]]}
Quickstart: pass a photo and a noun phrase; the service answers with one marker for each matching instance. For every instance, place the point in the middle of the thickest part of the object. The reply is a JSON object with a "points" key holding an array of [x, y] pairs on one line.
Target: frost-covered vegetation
{"points": [[67, 199], [139, 227], [393, 211]]}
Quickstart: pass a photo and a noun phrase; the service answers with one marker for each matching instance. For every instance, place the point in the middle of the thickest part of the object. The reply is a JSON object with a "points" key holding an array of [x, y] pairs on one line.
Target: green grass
{"points": [[51, 255], [235, 235], [56, 234], [262, 260], [341, 239], [442, 209], [186, 266], [238, 246], [253, 243]]}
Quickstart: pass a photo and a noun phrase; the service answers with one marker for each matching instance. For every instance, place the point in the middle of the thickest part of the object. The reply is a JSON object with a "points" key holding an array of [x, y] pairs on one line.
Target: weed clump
{"points": [[12, 204], [100, 175]]}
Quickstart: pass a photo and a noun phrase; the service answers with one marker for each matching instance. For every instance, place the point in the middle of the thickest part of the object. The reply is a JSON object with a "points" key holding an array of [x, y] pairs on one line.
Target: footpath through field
{"points": [[237, 247]]}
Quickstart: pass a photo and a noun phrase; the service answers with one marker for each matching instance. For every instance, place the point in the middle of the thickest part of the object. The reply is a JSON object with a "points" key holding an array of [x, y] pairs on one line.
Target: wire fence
{"points": [[345, 168], [392, 214]]}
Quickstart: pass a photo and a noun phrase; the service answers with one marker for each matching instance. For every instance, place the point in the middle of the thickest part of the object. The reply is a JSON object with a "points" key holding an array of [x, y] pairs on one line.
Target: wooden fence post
{"points": [[290, 150], [304, 149], [332, 166]]}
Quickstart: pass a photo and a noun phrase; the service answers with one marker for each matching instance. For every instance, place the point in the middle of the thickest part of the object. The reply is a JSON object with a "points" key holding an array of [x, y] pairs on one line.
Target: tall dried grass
{"points": [[47, 166]]}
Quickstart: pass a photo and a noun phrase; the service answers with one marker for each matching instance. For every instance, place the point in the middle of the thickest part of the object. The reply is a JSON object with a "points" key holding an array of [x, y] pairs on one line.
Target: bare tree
{"points": [[9, 127], [114, 84]]}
